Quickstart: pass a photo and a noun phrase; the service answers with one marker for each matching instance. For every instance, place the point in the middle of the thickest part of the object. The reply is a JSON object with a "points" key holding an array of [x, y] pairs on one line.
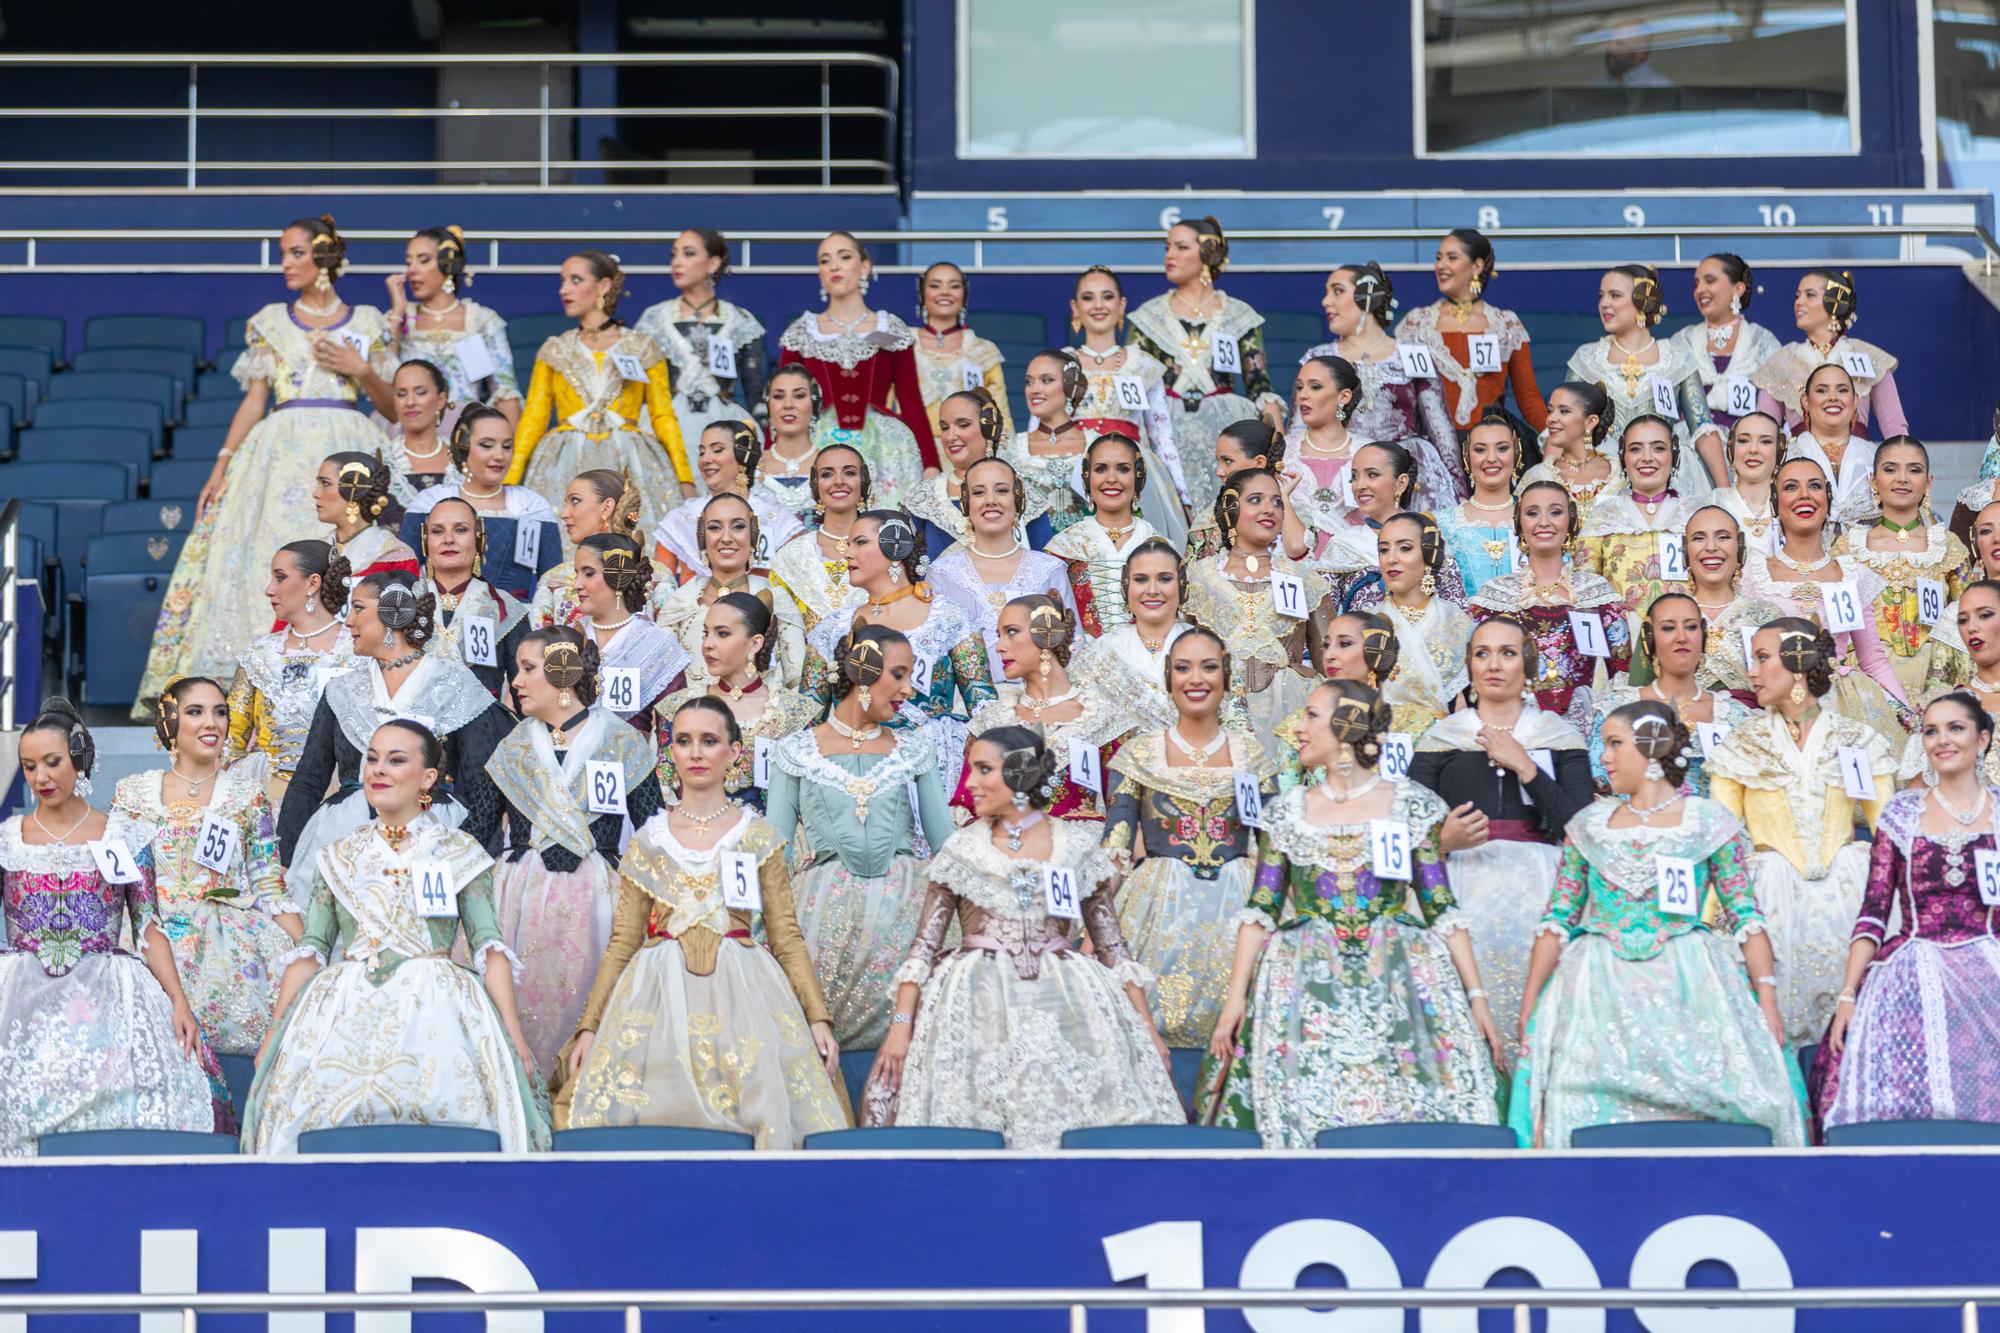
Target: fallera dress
{"points": [[1209, 397], [694, 350], [873, 398], [272, 698]]}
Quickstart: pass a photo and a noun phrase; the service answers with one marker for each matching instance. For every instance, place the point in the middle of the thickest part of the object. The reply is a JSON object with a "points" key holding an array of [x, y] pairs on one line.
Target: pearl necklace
{"points": [[1200, 754], [63, 840], [316, 311], [1327, 790], [1677, 704], [1644, 814], [194, 788], [855, 738], [791, 465], [594, 626], [441, 311], [702, 822], [303, 635], [1343, 450], [1101, 357], [1964, 817], [1477, 503], [997, 555], [467, 493]]}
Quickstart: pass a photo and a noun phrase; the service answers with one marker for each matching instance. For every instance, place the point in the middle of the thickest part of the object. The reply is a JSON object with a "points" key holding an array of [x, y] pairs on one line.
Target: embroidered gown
{"points": [[1137, 674], [1621, 542], [1781, 384], [697, 1022], [1357, 1015], [1923, 1042], [849, 820], [1480, 551], [1499, 884], [1727, 712], [86, 1034], [1097, 572], [605, 417], [221, 926], [501, 621], [1755, 345], [1018, 1031], [726, 338], [1053, 484], [675, 537], [391, 1030], [1323, 499], [976, 363], [1467, 392], [817, 582], [211, 610], [1107, 406], [874, 399], [1809, 871], [1632, 395], [1935, 555], [454, 353], [1177, 903], [1104, 721], [1209, 398], [1648, 1016], [1566, 683], [684, 615], [555, 885], [1392, 406], [1266, 647], [958, 576], [523, 542], [272, 698], [1865, 683]]}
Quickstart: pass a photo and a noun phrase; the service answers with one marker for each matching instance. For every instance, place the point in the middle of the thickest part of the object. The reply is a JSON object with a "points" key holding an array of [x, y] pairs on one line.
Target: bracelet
{"points": [[897, 1019], [1476, 993], [1846, 997], [1772, 982]]}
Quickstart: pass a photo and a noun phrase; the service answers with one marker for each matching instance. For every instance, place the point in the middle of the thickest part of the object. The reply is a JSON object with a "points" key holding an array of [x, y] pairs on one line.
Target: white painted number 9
{"points": [[1635, 216]]}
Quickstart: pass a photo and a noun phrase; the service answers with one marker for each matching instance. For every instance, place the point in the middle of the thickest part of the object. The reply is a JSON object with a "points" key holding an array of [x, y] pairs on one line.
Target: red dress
{"points": [[871, 398]]}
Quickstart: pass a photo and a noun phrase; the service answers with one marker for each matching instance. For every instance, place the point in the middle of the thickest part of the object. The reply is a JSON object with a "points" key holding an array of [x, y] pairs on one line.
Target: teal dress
{"points": [[1727, 713]]}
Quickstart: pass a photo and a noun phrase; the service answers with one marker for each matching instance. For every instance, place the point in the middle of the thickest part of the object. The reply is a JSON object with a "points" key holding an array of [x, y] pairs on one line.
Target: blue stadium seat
{"points": [[903, 1138], [217, 384], [167, 515], [77, 492], [159, 360], [128, 413], [535, 327], [1186, 1070], [125, 579], [399, 1139], [45, 332], [1806, 1055], [199, 441], [1434, 1135], [211, 411], [1914, 1134], [1289, 335], [237, 1072], [237, 332], [6, 424], [88, 444], [14, 396], [146, 386], [1016, 326], [179, 479], [39, 561], [1672, 1134], [186, 332], [32, 364], [854, 1067], [136, 1143], [651, 1138], [524, 359], [1163, 1138]]}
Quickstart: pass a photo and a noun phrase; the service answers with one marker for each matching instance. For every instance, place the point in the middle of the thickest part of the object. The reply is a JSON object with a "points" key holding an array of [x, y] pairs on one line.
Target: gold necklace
{"points": [[1630, 367], [1414, 614], [1036, 706], [1461, 311], [703, 821], [840, 540], [395, 835]]}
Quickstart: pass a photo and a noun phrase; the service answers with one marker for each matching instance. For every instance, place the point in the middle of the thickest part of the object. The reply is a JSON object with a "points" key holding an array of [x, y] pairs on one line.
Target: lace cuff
{"points": [[1747, 929], [914, 971], [1131, 972], [493, 946], [1265, 400], [1870, 928], [151, 923], [279, 905], [1254, 916], [290, 956], [1448, 922], [1555, 928]]}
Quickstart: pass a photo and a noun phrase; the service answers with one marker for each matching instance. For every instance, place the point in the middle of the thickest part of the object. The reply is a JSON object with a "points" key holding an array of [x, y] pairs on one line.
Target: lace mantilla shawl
{"points": [[656, 652], [1157, 321], [929, 501], [1430, 671], [347, 863], [1088, 542], [139, 793], [1783, 375], [1143, 758], [445, 692], [1036, 571], [1050, 480], [1509, 592], [1618, 514], [800, 569], [1758, 752], [799, 755], [1010, 887], [479, 600], [598, 382], [402, 466], [1536, 729], [1757, 582], [685, 882], [1625, 857], [1421, 326], [945, 628], [846, 349], [1289, 833], [551, 793], [1602, 364], [1103, 720], [264, 661], [1755, 345], [1244, 614], [522, 503]]}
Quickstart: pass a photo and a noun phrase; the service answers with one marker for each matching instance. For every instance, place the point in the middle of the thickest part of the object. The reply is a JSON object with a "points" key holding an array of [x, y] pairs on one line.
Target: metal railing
{"points": [[489, 247], [1075, 1302], [10, 624], [546, 113]]}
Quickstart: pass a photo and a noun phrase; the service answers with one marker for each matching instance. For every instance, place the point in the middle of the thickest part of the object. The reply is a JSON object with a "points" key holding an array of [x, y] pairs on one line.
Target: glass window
{"points": [[1967, 45], [1659, 78], [1053, 78]]}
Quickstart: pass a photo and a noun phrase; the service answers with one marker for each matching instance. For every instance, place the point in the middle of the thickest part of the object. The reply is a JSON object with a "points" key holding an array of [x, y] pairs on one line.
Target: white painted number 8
{"points": [[1489, 218]]}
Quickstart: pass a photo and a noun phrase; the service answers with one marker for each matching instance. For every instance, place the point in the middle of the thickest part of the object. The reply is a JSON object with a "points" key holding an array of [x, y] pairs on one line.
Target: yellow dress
{"points": [[605, 417], [1621, 541], [1936, 555]]}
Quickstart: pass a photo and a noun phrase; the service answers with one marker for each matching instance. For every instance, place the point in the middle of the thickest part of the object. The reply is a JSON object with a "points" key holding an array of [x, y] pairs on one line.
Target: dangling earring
{"points": [[822, 294], [1429, 584], [564, 698], [864, 286], [1075, 325], [441, 412], [1343, 760], [83, 787], [322, 282], [173, 747], [1653, 770], [353, 510], [1930, 772], [424, 801], [1476, 288], [388, 638], [1048, 663], [450, 287], [1021, 801], [1798, 691], [310, 605], [895, 575], [867, 700], [1735, 305]]}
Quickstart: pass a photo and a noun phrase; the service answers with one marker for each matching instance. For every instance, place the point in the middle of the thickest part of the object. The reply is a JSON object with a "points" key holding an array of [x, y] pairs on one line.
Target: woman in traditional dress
{"points": [[784, 474], [738, 634], [1095, 548], [1624, 539], [1980, 493], [1824, 310], [812, 567], [1049, 455], [611, 396], [613, 583], [950, 677], [88, 1039], [349, 494], [1173, 807], [989, 567], [418, 456], [704, 1025], [950, 356], [1906, 548], [394, 1031], [1573, 452], [1017, 1031], [1127, 386], [1318, 448], [1798, 577], [556, 883], [1828, 440], [715, 348], [1755, 449], [726, 459], [280, 676], [969, 430], [1368, 1006], [1382, 480], [1953, 661], [1974, 670], [219, 890], [477, 624], [1209, 342], [1673, 636], [1153, 585], [598, 501], [1914, 1029], [865, 364], [434, 321], [392, 617], [1715, 546], [1479, 531], [1727, 349], [314, 356], [1431, 630], [1252, 443], [1271, 610], [521, 531], [1789, 774], [1511, 775], [1360, 646], [1481, 350], [1058, 696], [1573, 615], [1393, 404], [727, 540], [1412, 565], [1642, 374], [844, 784], [1636, 1008]]}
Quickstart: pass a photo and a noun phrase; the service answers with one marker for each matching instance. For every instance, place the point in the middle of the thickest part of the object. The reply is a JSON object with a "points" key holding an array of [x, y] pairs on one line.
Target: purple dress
{"points": [[1924, 1041]]}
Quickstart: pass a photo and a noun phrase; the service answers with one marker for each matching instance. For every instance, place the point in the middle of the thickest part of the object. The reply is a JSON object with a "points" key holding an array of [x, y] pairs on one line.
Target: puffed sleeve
{"points": [[816, 677], [972, 674], [534, 419], [1885, 872], [932, 811], [1100, 921], [787, 944], [505, 385], [257, 361], [322, 926], [1885, 408], [666, 425], [1121, 818], [781, 804], [142, 895], [1528, 399], [1431, 884], [242, 696]]}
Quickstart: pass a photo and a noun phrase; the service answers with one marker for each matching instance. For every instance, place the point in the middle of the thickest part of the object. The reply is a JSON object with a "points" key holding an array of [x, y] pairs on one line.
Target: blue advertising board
{"points": [[1577, 1220]]}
